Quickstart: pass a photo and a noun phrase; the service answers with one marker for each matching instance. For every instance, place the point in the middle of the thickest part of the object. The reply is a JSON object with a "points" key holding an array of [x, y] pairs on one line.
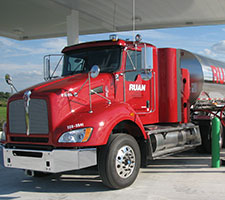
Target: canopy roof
{"points": [[32, 19]]}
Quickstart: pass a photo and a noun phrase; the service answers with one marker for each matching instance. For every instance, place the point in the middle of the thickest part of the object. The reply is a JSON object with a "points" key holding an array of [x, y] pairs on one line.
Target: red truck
{"points": [[117, 105]]}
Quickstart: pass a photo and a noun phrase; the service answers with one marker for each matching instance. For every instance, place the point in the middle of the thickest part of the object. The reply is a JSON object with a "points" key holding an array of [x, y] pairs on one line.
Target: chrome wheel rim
{"points": [[125, 161]]}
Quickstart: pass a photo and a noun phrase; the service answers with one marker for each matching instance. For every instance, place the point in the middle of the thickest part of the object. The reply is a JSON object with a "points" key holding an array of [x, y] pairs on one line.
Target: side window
{"points": [[133, 60]]}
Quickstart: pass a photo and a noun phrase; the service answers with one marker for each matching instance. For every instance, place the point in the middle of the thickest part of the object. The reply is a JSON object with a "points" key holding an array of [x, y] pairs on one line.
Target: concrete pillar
{"points": [[73, 28]]}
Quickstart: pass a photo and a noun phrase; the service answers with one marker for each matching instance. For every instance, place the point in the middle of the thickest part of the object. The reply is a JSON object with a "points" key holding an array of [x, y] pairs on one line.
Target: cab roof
{"points": [[119, 42]]}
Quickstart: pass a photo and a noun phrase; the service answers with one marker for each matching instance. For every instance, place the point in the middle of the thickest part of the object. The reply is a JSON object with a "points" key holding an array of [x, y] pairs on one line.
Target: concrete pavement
{"points": [[180, 177]]}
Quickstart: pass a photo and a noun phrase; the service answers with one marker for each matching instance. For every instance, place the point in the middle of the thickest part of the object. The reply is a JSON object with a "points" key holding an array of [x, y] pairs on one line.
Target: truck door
{"points": [[137, 90]]}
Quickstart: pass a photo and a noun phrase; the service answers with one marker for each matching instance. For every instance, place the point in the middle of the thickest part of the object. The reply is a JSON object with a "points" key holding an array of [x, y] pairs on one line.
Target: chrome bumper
{"points": [[49, 161]]}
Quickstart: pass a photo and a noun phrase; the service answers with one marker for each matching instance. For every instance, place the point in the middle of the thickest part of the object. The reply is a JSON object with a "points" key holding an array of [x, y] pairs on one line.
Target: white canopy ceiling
{"points": [[31, 19]]}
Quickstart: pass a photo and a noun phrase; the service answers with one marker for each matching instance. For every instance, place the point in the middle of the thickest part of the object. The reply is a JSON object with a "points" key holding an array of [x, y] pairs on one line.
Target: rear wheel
{"points": [[119, 161]]}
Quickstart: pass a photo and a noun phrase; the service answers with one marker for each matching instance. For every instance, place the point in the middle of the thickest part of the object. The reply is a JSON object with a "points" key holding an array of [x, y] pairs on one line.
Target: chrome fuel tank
{"points": [[207, 77]]}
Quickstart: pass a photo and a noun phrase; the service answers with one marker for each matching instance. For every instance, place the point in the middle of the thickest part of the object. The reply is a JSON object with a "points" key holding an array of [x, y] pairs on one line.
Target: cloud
{"points": [[6, 42], [23, 75], [216, 51], [17, 68], [24, 48], [208, 53], [148, 35], [56, 44], [219, 47], [18, 58]]}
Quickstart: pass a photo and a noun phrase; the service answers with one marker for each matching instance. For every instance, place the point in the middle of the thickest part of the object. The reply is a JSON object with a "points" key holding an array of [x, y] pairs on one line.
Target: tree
{"points": [[4, 95]]}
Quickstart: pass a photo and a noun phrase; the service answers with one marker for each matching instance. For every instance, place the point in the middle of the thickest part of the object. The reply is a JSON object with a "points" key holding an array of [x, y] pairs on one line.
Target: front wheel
{"points": [[119, 161]]}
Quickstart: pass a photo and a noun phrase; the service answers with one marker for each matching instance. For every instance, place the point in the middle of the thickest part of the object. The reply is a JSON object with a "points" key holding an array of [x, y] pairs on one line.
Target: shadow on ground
{"points": [[87, 180], [186, 162]]}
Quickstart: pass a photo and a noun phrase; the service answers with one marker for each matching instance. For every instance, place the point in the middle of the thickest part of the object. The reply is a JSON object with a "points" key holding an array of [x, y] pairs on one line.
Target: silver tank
{"points": [[205, 85]]}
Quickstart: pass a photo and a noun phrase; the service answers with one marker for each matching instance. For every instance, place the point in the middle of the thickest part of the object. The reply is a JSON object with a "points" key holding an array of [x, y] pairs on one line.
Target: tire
{"points": [[41, 174], [36, 174], [119, 161]]}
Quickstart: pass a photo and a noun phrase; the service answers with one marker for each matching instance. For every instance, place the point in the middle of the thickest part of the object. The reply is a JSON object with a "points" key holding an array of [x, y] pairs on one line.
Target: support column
{"points": [[73, 28]]}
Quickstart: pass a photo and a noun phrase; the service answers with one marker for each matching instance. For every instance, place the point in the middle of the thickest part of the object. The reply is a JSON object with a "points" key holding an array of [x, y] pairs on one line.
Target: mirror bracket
{"points": [[8, 80]]}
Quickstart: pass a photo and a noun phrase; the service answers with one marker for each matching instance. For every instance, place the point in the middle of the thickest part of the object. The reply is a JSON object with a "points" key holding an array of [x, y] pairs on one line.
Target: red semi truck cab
{"points": [[117, 105]]}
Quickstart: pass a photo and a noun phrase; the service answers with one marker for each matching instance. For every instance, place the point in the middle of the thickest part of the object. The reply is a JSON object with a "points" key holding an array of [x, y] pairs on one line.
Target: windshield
{"points": [[81, 61]]}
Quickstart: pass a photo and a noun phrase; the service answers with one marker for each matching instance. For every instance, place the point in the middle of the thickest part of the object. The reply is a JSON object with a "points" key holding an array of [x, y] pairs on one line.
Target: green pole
{"points": [[215, 142]]}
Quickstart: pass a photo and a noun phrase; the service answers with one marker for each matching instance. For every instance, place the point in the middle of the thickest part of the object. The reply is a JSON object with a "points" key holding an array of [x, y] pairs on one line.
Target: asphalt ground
{"points": [[185, 176]]}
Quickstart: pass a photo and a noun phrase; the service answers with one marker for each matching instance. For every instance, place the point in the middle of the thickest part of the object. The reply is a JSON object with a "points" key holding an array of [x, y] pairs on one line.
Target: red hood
{"points": [[67, 98], [65, 84]]}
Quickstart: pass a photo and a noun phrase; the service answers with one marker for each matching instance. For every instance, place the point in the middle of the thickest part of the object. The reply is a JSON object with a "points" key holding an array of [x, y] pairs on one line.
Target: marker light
{"points": [[138, 38], [76, 136], [113, 37]]}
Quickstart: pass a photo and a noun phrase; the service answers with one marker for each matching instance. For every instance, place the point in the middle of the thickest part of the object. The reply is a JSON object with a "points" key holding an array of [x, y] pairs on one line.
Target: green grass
{"points": [[2, 116], [2, 113]]}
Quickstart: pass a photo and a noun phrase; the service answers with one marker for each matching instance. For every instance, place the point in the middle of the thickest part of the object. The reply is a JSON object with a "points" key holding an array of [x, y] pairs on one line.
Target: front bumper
{"points": [[49, 161]]}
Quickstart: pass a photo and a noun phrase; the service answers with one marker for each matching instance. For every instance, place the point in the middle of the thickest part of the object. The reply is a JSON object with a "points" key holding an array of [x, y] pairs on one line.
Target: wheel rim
{"points": [[125, 161]]}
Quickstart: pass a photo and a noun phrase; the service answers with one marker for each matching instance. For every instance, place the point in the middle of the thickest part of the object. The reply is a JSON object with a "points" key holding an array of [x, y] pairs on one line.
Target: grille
{"points": [[29, 146], [38, 116], [29, 139]]}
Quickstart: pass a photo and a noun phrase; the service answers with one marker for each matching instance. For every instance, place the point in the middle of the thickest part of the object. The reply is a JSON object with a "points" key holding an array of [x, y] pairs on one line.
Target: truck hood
{"points": [[59, 103], [70, 83]]}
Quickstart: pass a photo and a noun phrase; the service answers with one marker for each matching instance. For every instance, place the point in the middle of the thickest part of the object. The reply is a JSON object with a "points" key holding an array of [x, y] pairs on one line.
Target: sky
{"points": [[23, 60]]}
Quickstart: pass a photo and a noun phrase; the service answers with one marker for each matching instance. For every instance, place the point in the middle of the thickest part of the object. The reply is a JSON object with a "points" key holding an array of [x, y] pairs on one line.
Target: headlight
{"points": [[75, 136], [3, 133]]}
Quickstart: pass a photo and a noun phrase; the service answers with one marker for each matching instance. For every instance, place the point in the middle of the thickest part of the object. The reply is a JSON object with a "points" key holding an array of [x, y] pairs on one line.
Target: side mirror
{"points": [[94, 72], [146, 62], [147, 57], [8, 79]]}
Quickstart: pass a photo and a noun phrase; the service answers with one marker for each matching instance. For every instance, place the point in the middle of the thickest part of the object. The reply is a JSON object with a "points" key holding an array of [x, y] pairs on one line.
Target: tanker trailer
{"points": [[207, 93]]}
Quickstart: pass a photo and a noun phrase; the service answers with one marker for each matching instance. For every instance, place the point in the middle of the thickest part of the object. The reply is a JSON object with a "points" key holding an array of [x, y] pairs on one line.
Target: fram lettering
{"points": [[137, 87], [218, 74]]}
